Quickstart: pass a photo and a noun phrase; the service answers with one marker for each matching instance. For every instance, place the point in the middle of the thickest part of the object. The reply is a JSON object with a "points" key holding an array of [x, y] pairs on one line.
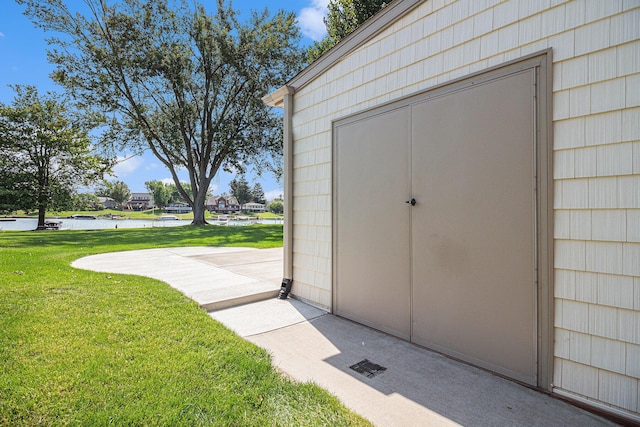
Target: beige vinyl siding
{"points": [[596, 123]]}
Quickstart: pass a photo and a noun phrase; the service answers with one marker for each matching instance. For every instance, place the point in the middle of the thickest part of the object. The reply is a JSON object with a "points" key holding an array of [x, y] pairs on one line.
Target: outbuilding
{"points": [[465, 175]]}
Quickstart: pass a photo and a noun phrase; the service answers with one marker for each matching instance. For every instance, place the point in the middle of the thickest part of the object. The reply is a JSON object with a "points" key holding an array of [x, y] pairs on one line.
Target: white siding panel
{"points": [[629, 191], [625, 28], [631, 125], [618, 390], [562, 224], [608, 96], [579, 101], [553, 21], [633, 360], [562, 343], [482, 23], [570, 255], [575, 194], [569, 133], [603, 128], [633, 90], [561, 104], [603, 193], [508, 37], [531, 28], [586, 287], [604, 257], [575, 316], [603, 321], [629, 329], [628, 58], [505, 13], [609, 225], [608, 354], [602, 65], [575, 72], [565, 284], [615, 159], [589, 37], [563, 45], [576, 13], [580, 378], [631, 259], [601, 9], [585, 163], [581, 224], [563, 164], [633, 226], [580, 348], [615, 291]]}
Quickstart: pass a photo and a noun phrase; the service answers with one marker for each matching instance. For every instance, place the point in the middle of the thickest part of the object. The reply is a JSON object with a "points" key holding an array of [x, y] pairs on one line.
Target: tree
{"points": [[185, 84], [257, 194], [343, 18], [176, 195], [117, 190], [44, 154], [240, 190], [161, 193], [276, 207], [84, 201]]}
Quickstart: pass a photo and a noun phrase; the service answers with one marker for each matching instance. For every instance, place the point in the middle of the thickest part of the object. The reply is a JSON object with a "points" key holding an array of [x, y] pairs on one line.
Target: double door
{"points": [[435, 222]]}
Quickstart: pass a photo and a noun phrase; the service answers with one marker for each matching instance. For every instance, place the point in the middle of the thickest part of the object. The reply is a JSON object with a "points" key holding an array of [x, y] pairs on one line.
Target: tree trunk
{"points": [[41, 214], [198, 206]]}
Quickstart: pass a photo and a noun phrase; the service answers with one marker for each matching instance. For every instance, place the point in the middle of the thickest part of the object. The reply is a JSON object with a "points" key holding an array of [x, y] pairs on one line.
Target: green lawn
{"points": [[84, 348]]}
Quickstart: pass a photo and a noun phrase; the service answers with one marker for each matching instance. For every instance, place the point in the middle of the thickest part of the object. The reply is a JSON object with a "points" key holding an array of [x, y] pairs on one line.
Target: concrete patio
{"points": [[238, 287]]}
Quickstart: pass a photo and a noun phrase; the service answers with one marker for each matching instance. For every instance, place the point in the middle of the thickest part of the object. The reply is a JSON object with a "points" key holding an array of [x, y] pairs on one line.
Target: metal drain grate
{"points": [[367, 368]]}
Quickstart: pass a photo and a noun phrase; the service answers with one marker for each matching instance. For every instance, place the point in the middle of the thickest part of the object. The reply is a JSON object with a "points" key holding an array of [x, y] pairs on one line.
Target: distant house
{"points": [[223, 205], [106, 203], [253, 207], [140, 202], [178, 208]]}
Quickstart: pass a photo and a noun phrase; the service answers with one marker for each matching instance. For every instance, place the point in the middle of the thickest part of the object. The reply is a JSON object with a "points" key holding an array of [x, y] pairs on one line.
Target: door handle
{"points": [[412, 202]]}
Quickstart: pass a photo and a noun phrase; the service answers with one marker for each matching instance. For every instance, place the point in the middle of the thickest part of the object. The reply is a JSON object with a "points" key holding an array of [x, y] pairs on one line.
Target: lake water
{"points": [[23, 224]]}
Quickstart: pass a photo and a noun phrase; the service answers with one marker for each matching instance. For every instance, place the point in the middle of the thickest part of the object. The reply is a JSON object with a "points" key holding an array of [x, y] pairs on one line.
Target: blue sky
{"points": [[23, 61]]}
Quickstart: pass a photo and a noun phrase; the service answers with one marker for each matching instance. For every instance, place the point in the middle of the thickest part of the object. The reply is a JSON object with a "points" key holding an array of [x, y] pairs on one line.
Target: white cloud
{"points": [[167, 181], [273, 194], [126, 166], [1, 34], [310, 19]]}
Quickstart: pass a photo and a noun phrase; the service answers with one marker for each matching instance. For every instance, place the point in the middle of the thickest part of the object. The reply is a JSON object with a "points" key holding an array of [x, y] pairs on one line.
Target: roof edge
{"points": [[370, 28], [276, 98]]}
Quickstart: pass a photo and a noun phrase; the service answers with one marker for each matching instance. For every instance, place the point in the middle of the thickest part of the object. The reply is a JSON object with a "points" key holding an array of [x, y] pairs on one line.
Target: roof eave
{"points": [[370, 28]]}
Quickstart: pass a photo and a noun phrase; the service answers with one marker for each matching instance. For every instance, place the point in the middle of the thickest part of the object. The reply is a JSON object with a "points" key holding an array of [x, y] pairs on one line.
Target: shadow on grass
{"points": [[261, 236]]}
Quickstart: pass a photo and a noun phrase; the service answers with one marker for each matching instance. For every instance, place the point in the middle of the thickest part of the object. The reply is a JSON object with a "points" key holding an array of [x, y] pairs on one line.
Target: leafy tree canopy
{"points": [[117, 190], [45, 154], [257, 194], [343, 18], [161, 193], [173, 78], [240, 190], [276, 207]]}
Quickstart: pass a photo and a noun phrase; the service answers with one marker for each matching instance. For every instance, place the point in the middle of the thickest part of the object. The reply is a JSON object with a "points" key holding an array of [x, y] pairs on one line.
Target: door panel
{"points": [[372, 258], [473, 227]]}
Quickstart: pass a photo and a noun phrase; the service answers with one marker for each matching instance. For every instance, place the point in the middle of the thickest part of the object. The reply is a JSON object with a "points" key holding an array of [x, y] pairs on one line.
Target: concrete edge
{"points": [[242, 300]]}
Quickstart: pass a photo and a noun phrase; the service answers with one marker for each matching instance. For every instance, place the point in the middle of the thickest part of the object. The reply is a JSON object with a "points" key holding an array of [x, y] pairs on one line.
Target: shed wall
{"points": [[596, 124]]}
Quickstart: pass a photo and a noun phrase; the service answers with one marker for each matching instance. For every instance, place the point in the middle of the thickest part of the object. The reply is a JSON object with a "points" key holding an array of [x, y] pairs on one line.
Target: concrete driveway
{"points": [[418, 387]]}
